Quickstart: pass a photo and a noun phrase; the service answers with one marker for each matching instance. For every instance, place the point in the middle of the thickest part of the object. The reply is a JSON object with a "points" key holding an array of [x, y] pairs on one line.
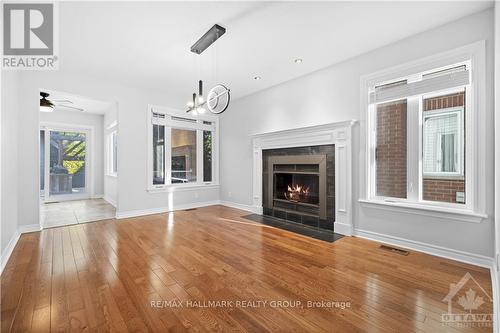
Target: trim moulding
{"points": [[339, 134], [109, 200], [159, 210], [439, 251], [425, 210], [23, 229]]}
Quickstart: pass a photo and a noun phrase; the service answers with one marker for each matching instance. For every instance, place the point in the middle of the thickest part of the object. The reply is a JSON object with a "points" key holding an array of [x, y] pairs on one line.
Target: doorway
{"points": [[64, 163], [77, 182]]}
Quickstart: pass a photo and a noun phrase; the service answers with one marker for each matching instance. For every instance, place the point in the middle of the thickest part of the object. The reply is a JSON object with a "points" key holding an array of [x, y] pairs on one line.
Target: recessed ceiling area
{"points": [[147, 45], [68, 102]]}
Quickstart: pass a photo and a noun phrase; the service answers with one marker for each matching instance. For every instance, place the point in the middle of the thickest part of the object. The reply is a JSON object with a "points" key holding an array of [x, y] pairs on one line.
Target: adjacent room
{"points": [[78, 165], [240, 166]]}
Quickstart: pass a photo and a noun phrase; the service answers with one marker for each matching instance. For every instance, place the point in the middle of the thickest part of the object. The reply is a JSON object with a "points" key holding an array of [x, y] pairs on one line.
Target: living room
{"points": [[268, 166]]}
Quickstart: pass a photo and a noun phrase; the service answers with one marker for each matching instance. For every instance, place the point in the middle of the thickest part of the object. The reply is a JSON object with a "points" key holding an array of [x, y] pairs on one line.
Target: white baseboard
{"points": [[13, 241], [248, 208], [342, 228], [462, 256], [495, 285], [23, 229], [108, 199], [8, 250], [97, 196], [159, 210]]}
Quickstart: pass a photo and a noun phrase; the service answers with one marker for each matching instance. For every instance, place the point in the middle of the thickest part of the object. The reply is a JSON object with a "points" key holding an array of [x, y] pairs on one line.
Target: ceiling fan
{"points": [[47, 105]]}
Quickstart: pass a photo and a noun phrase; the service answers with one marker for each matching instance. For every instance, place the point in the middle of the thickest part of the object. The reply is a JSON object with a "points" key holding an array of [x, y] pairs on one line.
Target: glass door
{"points": [[64, 171]]}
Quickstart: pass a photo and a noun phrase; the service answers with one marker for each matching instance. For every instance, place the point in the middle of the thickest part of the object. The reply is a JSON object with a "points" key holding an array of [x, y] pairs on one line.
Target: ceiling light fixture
{"points": [[257, 78], [218, 97], [298, 61]]}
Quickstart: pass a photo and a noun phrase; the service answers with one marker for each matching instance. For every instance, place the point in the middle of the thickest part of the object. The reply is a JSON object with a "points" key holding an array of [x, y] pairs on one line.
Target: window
{"points": [[417, 134], [112, 154], [207, 156], [182, 149], [183, 156], [158, 154], [391, 149]]}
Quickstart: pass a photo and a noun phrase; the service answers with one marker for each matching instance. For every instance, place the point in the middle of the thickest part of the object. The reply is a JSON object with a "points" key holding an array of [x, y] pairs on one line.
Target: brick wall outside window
{"points": [[391, 149], [435, 189]]}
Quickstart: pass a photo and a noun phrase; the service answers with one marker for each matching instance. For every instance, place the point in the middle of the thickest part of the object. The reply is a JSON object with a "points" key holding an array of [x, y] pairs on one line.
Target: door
{"points": [[64, 171]]}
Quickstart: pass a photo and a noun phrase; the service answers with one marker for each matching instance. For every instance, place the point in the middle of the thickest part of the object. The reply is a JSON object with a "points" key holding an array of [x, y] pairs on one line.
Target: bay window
{"points": [[181, 149]]}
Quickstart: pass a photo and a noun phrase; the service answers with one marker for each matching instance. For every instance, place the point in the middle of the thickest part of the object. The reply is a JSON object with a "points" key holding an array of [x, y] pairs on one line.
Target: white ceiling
{"points": [[146, 44], [67, 102]]}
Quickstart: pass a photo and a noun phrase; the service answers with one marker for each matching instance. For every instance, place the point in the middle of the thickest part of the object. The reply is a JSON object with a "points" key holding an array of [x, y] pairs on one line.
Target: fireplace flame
{"points": [[296, 192]]}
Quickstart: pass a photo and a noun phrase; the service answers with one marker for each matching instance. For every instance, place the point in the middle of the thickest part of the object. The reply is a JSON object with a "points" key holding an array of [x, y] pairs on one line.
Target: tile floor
{"points": [[316, 233], [73, 212]]}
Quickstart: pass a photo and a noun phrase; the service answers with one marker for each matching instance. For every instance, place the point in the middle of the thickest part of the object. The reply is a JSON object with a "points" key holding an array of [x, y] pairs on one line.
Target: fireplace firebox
{"points": [[296, 187], [299, 187]]}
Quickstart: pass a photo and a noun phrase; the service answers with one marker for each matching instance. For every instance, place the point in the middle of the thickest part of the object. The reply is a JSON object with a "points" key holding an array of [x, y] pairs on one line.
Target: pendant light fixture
{"points": [[218, 97]]}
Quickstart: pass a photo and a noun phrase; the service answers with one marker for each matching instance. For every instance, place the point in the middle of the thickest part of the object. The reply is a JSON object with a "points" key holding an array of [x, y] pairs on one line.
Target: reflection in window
{"points": [[207, 156], [158, 154], [443, 145], [183, 156], [442, 140]]}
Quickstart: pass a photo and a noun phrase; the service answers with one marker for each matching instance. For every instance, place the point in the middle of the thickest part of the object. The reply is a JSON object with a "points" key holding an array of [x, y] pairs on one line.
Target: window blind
{"points": [[434, 82]]}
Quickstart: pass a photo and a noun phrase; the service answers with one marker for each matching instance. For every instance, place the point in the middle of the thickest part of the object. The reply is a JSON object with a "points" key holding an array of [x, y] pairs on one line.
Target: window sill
{"points": [[441, 212], [183, 187], [112, 175]]}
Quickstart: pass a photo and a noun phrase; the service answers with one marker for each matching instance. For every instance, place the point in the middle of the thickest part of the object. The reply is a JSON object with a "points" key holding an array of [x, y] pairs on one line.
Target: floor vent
{"points": [[394, 250], [190, 209]]}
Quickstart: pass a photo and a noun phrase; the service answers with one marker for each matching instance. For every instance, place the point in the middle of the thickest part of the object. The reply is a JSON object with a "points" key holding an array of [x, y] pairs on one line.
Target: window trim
{"points": [[475, 137], [174, 119], [110, 156]]}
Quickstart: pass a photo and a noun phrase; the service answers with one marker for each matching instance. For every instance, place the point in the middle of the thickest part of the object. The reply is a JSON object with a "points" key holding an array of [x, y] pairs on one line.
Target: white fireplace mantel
{"points": [[340, 135]]}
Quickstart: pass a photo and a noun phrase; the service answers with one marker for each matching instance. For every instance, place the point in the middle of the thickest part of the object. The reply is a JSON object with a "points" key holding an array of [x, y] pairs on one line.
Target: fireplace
{"points": [[298, 185]]}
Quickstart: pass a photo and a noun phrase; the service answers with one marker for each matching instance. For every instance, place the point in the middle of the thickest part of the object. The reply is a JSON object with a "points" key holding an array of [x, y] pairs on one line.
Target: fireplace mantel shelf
{"points": [[339, 134]]}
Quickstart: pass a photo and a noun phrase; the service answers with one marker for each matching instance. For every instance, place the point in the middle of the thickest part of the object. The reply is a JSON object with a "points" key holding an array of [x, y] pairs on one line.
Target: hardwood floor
{"points": [[107, 275]]}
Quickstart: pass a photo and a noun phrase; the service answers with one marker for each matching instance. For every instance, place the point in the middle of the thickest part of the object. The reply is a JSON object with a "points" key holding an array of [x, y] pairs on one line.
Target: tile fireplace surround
{"points": [[337, 134], [299, 185]]}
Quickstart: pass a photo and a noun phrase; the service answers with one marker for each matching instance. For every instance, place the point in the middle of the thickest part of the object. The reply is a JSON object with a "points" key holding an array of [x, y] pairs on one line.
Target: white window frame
{"points": [[475, 138], [173, 119], [110, 156]]}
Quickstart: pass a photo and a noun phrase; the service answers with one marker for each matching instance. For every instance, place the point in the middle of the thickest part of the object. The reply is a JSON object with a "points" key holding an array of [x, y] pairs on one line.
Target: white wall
{"points": [[9, 158], [132, 145], [497, 136], [96, 121], [333, 95], [110, 182]]}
